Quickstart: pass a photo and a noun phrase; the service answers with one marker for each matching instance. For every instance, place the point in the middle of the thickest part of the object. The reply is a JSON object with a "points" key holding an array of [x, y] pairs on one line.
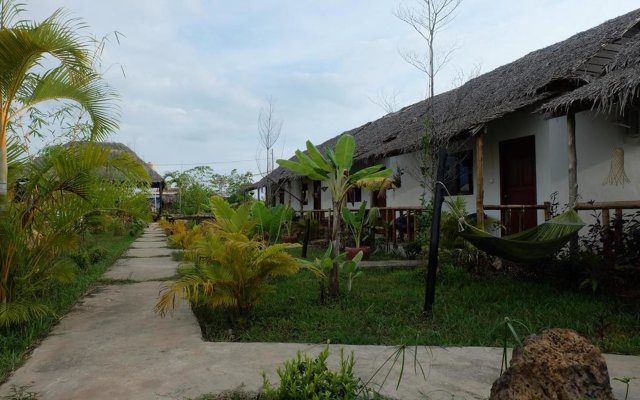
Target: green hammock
{"points": [[531, 245]]}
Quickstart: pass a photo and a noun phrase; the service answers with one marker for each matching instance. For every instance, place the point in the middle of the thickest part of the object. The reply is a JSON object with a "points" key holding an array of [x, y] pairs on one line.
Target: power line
{"points": [[208, 163]]}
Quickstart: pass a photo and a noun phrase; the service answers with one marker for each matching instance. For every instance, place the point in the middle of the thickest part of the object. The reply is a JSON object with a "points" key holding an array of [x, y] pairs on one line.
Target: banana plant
{"points": [[359, 221], [351, 268], [321, 268], [334, 169]]}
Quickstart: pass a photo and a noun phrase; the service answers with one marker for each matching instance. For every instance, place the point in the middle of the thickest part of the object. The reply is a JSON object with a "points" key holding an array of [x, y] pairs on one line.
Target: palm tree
{"points": [[49, 196], [25, 48]]}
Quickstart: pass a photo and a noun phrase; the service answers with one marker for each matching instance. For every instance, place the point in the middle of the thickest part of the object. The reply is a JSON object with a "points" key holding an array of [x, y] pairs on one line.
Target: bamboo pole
{"points": [[480, 178]]}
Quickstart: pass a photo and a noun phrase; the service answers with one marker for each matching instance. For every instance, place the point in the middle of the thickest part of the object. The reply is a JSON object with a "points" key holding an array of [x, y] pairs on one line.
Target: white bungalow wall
{"points": [[595, 139]]}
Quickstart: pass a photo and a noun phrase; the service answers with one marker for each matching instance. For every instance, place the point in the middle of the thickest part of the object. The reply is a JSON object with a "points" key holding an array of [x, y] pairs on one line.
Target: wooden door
{"points": [[518, 182], [317, 195]]}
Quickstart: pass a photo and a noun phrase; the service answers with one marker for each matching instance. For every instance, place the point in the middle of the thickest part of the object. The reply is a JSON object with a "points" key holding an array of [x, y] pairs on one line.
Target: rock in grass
{"points": [[556, 364]]}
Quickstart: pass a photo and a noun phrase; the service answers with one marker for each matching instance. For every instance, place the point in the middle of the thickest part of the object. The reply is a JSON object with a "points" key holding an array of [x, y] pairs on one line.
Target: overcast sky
{"points": [[197, 72]]}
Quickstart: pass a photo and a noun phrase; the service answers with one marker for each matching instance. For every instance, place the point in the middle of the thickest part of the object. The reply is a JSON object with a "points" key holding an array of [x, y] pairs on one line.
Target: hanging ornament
{"points": [[617, 175]]}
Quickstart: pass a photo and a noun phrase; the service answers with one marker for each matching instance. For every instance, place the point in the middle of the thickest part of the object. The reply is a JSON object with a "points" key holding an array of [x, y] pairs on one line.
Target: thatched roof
{"points": [[618, 86], [115, 148], [155, 177], [539, 76]]}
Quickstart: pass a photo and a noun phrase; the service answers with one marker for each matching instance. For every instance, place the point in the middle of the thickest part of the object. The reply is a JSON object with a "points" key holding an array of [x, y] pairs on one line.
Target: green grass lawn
{"points": [[16, 342], [314, 252], [385, 308]]}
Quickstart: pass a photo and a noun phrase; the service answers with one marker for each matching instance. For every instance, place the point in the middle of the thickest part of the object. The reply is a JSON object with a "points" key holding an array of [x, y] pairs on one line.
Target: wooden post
{"points": [[618, 231], [307, 231], [573, 159], [432, 266], [480, 178], [289, 190], [573, 170], [547, 210]]}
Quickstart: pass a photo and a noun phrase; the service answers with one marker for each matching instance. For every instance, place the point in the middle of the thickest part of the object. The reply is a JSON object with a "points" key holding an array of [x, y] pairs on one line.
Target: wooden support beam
{"points": [[614, 205], [480, 178], [573, 159]]}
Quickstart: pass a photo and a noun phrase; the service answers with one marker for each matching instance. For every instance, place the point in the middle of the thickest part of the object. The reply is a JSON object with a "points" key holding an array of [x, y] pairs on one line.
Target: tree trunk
{"points": [[4, 169], [336, 241]]}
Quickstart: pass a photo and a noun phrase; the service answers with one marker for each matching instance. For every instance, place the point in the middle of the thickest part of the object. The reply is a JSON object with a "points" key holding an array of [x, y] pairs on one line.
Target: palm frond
{"points": [[91, 92]]}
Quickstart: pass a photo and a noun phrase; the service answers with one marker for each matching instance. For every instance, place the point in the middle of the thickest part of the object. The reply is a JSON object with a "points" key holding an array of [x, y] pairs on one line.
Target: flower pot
{"points": [[352, 251], [289, 238]]}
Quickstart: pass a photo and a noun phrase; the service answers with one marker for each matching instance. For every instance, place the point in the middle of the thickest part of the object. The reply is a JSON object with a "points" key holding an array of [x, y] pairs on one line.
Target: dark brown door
{"points": [[518, 182], [317, 195]]}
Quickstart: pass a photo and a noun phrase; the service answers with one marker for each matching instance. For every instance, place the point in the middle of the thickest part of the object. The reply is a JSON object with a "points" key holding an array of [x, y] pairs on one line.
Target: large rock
{"points": [[557, 364]]}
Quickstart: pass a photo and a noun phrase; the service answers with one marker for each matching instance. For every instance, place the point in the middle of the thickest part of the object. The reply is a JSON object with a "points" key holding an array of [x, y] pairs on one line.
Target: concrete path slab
{"points": [[112, 345], [142, 269], [162, 239], [138, 244], [149, 252], [153, 235]]}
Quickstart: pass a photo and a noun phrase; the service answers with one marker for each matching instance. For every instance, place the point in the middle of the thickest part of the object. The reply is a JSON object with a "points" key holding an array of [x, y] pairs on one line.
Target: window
{"points": [[459, 173], [354, 195]]}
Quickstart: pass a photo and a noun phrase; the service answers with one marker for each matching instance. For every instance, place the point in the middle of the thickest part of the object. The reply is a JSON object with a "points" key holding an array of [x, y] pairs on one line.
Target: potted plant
{"points": [[359, 224]]}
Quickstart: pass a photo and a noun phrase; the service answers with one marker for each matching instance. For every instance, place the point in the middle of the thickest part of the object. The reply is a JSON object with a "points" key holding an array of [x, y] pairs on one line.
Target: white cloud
{"points": [[198, 71]]}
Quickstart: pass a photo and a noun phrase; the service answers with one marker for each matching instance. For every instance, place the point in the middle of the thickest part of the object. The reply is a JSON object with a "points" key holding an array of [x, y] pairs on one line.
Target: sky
{"points": [[198, 72]]}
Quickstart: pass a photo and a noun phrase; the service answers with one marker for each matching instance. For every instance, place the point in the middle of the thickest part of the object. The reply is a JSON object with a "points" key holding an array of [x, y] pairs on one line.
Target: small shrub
{"points": [[118, 228], [305, 378], [21, 393], [97, 254], [81, 259], [177, 255], [413, 249]]}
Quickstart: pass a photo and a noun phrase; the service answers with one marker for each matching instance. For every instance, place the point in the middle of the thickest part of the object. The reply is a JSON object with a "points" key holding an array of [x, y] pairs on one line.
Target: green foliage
{"points": [[81, 259], [17, 340], [97, 254], [228, 269], [233, 187], [360, 221], [351, 268], [311, 379], [182, 237], [194, 189], [26, 82], [324, 263], [232, 220], [49, 199], [271, 221], [197, 185], [334, 168]]}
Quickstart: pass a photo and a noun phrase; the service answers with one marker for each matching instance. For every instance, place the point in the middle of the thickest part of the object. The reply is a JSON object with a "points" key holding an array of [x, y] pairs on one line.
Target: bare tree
{"points": [[269, 129], [428, 18], [388, 101]]}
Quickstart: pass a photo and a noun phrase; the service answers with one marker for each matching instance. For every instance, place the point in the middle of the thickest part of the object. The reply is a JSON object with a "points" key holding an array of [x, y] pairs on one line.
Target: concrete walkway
{"points": [[113, 346]]}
